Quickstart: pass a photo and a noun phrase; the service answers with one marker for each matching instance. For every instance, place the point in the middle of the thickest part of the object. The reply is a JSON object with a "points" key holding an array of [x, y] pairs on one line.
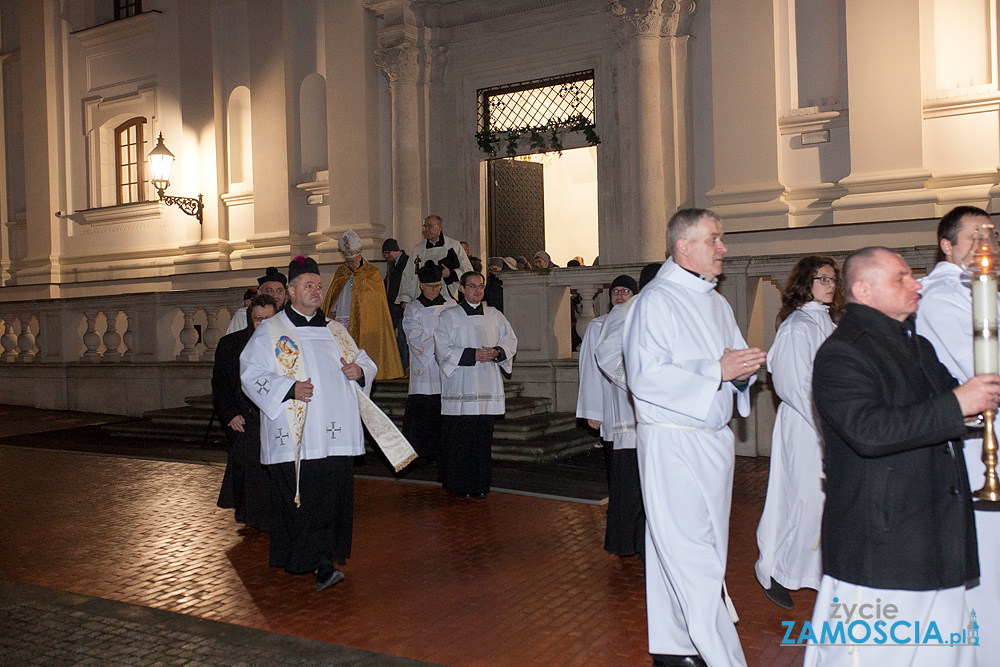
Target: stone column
{"points": [[41, 72], [272, 92], [887, 180], [748, 192], [401, 68]]}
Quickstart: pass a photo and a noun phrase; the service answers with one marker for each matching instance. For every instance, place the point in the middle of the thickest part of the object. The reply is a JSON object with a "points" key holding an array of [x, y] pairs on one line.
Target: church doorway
{"points": [[544, 201]]}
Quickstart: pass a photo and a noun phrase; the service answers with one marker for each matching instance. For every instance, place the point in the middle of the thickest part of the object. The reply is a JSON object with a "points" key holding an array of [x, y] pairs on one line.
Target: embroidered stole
{"points": [[288, 361], [385, 434]]}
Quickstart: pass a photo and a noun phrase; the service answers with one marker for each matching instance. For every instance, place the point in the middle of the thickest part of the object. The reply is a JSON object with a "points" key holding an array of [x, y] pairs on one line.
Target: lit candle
{"points": [[984, 312]]}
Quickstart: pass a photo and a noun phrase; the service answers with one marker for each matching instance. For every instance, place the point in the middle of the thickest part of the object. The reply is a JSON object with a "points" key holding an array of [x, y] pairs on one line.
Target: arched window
{"points": [[128, 161]]}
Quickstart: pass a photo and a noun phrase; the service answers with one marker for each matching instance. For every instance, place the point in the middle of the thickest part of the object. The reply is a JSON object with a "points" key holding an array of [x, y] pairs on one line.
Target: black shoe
{"points": [[326, 577], [661, 660], [477, 496], [778, 594]]}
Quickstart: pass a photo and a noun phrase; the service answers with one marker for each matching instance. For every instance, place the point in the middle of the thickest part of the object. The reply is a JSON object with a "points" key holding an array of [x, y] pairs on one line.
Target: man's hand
{"points": [[304, 390], [741, 364], [445, 271], [594, 424], [236, 423], [485, 354], [978, 394], [402, 304], [351, 370]]}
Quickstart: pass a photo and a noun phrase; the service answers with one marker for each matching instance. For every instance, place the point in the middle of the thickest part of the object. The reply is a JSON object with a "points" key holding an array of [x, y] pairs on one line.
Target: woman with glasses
{"points": [[789, 529]]}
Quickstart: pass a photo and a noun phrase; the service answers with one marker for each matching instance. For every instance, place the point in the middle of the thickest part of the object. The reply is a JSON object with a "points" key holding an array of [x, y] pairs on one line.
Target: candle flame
{"points": [[986, 262]]}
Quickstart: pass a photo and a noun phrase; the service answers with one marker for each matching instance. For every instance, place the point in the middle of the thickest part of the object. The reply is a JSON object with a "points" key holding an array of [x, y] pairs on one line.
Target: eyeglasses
{"points": [[826, 280], [621, 291]]}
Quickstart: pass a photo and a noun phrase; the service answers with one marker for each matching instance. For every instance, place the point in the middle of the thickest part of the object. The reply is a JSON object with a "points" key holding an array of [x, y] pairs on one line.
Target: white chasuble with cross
{"points": [[332, 423]]}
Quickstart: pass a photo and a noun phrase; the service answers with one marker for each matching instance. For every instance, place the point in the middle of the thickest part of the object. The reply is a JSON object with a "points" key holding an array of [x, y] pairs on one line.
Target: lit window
{"points": [[127, 8], [537, 102], [128, 161]]}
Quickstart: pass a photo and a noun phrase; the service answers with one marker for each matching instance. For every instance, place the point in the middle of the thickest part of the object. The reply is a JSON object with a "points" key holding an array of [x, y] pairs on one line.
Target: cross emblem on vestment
{"points": [[262, 386], [333, 430], [281, 436]]}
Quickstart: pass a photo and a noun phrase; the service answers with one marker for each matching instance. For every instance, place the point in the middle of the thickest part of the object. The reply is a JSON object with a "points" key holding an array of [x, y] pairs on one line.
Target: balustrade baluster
{"points": [[210, 337], [129, 336], [91, 339], [26, 340], [188, 335], [9, 339], [112, 339]]}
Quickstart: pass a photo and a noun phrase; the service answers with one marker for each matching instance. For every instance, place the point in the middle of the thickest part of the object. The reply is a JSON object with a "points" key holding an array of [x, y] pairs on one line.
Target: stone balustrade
{"points": [[130, 353]]}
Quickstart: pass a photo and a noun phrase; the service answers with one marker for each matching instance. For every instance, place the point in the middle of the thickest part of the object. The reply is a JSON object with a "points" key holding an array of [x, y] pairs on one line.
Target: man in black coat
{"points": [[898, 526], [244, 484], [395, 262]]}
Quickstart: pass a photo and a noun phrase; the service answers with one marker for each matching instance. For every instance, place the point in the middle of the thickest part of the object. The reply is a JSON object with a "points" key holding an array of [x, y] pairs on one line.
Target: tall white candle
{"points": [[984, 324]]}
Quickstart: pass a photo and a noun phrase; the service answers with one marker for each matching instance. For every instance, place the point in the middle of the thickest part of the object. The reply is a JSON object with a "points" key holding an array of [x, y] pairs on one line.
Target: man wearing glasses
{"points": [[438, 249]]}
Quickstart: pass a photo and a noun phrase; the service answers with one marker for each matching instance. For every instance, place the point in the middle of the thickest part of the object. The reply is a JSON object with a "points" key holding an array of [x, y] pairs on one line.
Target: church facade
{"points": [[808, 125]]}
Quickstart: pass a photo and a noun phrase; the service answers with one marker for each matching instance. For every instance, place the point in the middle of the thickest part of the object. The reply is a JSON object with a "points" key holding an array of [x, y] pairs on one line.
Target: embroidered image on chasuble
{"points": [[370, 323]]}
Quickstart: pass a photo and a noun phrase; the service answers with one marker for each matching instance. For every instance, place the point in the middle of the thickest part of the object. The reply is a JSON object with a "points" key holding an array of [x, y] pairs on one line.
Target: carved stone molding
{"points": [[435, 62], [636, 18], [677, 17], [399, 64]]}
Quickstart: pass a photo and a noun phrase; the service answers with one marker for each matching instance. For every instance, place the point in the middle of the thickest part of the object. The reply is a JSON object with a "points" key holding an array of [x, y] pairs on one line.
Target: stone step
{"points": [[400, 389], [533, 427], [546, 448]]}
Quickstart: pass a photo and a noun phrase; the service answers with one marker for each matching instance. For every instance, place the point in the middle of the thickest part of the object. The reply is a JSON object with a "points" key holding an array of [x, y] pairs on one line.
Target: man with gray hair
{"points": [[685, 359], [897, 527]]}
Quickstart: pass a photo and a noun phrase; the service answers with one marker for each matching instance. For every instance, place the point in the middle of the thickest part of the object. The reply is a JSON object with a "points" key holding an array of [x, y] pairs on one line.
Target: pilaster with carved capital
{"points": [[400, 64], [677, 17], [636, 18]]}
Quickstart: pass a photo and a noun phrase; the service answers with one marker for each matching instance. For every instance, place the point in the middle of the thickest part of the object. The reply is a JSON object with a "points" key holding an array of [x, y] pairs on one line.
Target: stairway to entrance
{"points": [[529, 431]]}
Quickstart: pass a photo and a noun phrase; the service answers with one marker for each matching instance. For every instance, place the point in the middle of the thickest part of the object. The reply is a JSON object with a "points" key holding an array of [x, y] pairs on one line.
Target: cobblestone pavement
{"points": [[510, 580]]}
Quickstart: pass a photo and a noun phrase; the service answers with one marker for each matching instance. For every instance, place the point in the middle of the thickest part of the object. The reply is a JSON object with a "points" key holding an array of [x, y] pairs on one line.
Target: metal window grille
{"points": [[537, 102], [127, 8], [128, 161]]}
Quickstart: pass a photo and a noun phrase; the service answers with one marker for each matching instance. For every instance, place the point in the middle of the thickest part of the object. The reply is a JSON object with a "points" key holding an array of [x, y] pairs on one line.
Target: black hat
{"points": [[624, 280], [429, 273], [301, 265], [648, 273], [390, 245], [272, 275], [250, 293]]}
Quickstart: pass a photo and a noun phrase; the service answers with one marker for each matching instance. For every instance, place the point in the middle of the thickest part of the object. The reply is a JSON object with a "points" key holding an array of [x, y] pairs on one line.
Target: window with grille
{"points": [[127, 8], [537, 110], [128, 161]]}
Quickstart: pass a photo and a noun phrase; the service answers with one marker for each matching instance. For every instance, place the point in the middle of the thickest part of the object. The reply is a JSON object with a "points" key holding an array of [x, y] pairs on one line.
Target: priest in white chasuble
{"points": [[422, 421], [436, 248], [685, 362], [472, 342], [302, 372]]}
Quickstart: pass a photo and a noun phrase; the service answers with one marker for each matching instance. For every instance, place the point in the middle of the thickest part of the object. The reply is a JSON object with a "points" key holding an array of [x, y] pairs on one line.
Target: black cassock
{"points": [[245, 486]]}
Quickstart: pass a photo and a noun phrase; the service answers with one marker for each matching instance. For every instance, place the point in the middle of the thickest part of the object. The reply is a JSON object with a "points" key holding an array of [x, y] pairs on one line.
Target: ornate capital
{"points": [[677, 17], [636, 18], [435, 62], [399, 63]]}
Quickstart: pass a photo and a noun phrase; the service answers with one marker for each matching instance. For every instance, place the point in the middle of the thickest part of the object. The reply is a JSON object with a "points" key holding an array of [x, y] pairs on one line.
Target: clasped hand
{"points": [[741, 364]]}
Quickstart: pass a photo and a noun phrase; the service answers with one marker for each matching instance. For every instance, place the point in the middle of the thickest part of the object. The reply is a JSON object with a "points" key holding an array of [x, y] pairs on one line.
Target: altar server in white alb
{"points": [[472, 342], [595, 395], [302, 373], [624, 533], [422, 420], [789, 529], [944, 317], [685, 360]]}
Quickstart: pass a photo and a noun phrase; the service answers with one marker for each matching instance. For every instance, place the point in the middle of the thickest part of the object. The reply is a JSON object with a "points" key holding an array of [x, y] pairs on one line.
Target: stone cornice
{"points": [[452, 13]]}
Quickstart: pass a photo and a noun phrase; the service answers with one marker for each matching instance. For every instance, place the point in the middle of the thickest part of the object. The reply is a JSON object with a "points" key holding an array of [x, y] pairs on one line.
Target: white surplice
{"points": [[409, 285], [418, 325], [594, 398], [478, 389], [675, 334], [944, 317], [239, 321], [788, 535], [608, 350], [333, 423]]}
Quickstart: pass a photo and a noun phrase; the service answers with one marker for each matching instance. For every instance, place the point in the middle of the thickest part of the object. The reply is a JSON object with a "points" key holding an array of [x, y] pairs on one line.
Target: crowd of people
{"points": [[872, 461]]}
